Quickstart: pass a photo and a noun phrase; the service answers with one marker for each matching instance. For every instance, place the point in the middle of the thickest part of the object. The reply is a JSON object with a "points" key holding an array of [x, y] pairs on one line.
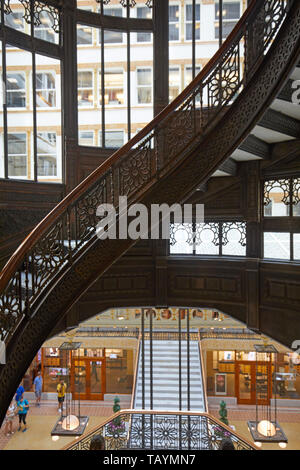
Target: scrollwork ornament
{"points": [[281, 184], [6, 7]]}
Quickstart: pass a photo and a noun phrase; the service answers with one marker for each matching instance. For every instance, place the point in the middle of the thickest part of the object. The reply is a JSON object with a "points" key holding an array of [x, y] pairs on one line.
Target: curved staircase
{"points": [[164, 163]]}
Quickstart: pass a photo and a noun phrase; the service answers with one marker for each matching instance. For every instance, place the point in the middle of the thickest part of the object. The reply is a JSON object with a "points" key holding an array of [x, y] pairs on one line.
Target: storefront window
{"points": [[119, 371]]}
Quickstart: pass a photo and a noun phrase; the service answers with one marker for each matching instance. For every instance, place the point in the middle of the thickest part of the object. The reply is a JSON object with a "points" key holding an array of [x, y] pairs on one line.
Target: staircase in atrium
{"points": [[166, 377], [165, 162]]}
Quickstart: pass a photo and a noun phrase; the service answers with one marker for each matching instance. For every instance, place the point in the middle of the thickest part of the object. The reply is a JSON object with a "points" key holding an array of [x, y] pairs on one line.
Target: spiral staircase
{"points": [[216, 118]]}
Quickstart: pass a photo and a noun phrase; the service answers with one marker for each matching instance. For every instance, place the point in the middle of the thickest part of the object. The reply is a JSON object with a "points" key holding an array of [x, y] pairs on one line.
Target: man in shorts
{"points": [[61, 391]]}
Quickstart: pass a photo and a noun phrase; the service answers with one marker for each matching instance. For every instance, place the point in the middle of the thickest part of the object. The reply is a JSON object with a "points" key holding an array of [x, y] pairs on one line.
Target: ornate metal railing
{"points": [[161, 430], [131, 171]]}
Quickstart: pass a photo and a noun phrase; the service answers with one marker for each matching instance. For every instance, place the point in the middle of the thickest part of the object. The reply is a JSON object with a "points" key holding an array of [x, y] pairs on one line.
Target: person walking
{"points": [[38, 385], [19, 393], [10, 414], [61, 391], [23, 408]]}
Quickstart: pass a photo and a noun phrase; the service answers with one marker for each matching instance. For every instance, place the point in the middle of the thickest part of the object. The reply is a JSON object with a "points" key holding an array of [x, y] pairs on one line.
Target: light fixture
{"points": [[266, 428], [70, 423], [55, 438], [258, 444]]}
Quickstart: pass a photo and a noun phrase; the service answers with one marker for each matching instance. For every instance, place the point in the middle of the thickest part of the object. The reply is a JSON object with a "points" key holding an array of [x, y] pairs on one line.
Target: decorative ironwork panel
{"points": [[11, 306], [281, 184], [238, 226], [125, 3], [188, 230], [6, 7], [296, 191], [213, 228], [36, 10]]}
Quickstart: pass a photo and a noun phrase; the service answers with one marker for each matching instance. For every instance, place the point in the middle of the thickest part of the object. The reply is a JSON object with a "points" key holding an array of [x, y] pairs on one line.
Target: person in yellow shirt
{"points": [[61, 391]]}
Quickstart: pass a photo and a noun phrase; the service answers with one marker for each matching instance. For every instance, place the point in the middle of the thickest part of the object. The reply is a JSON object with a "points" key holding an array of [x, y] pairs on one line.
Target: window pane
{"points": [[296, 197], [47, 154], [16, 90], [84, 35], [231, 10], [144, 76], [174, 23], [189, 12], [276, 198], [45, 90], [277, 245], [234, 239], [181, 240], [113, 139], [45, 30], [143, 12], [114, 87], [17, 155], [86, 138], [207, 239], [297, 246], [174, 82], [16, 19], [85, 89]]}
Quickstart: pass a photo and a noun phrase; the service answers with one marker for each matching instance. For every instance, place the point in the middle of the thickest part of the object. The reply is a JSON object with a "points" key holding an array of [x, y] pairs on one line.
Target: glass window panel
{"points": [[86, 138], [277, 245], [48, 139], [189, 22], [174, 82], [234, 247], [181, 239], [277, 207], [231, 10], [17, 155], [296, 239], [19, 164], [143, 12], [189, 74], [114, 87], [85, 88], [16, 90], [296, 197], [113, 139], [46, 90], [16, 19], [144, 85], [45, 29], [207, 240], [84, 35]]}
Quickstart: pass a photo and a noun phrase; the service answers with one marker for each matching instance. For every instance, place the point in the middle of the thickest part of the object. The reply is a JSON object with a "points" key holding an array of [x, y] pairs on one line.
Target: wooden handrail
{"points": [[17, 258], [168, 413]]}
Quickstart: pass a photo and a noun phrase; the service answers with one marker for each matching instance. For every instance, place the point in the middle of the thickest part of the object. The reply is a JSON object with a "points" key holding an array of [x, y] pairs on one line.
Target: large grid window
{"points": [[17, 155], [16, 89], [85, 88], [230, 16], [281, 208], [45, 90], [174, 24], [144, 85], [189, 26], [213, 238]]}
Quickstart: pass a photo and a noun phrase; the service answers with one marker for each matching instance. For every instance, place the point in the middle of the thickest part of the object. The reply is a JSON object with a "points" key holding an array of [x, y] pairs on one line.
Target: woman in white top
{"points": [[10, 414]]}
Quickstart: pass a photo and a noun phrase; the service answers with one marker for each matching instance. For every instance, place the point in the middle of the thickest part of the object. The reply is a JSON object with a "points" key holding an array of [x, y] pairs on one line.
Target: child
{"points": [[23, 408], [10, 414]]}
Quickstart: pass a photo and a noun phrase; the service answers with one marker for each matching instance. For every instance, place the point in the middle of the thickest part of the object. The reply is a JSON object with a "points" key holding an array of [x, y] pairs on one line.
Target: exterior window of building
{"points": [[85, 89], [174, 22], [277, 245], [189, 22], [174, 82], [15, 20], [17, 155], [282, 197], [296, 245], [113, 139], [86, 138], [230, 16], [44, 30], [84, 33], [143, 12], [144, 85], [114, 87], [212, 238], [45, 90], [16, 90], [47, 154], [188, 75]]}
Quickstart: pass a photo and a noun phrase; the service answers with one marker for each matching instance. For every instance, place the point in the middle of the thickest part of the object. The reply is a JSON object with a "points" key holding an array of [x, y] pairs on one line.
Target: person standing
{"points": [[23, 408], [38, 385], [61, 391], [10, 414]]}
